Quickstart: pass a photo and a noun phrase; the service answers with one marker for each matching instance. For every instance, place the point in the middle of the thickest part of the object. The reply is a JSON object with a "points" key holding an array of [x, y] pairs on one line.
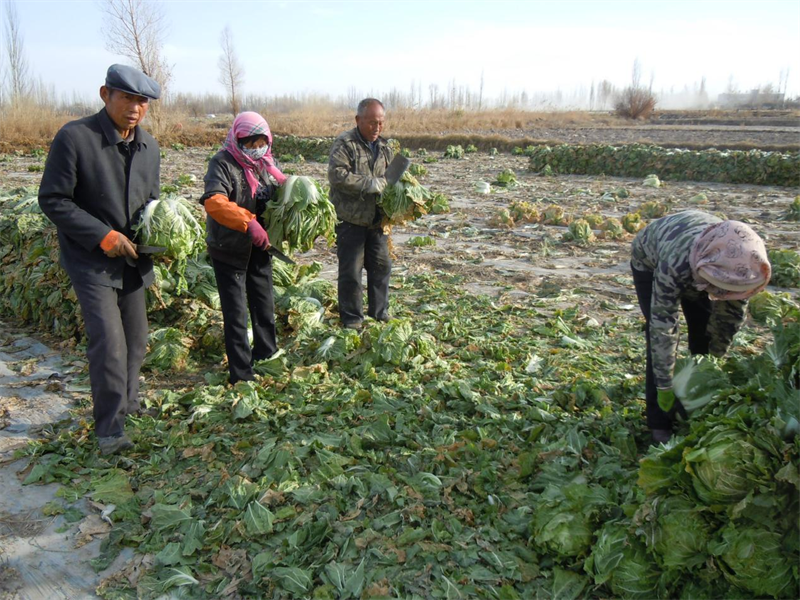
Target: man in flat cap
{"points": [[100, 173]]}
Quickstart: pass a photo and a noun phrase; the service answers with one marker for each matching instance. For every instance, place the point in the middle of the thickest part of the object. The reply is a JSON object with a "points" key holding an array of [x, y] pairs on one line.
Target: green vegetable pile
{"points": [[507, 178], [471, 447], [454, 151], [317, 149], [34, 289], [785, 268], [495, 449], [641, 160], [793, 212], [299, 214]]}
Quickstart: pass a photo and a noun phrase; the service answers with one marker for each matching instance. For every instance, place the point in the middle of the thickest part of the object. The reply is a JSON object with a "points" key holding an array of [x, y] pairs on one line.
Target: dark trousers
{"points": [[697, 314], [116, 327], [243, 292], [357, 248]]}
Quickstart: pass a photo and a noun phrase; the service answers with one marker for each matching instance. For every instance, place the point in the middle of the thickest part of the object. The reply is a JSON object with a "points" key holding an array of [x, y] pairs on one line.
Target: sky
{"points": [[372, 47]]}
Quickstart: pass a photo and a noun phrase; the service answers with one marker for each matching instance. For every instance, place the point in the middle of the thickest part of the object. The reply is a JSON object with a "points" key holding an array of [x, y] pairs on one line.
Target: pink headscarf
{"points": [[729, 261], [244, 125]]}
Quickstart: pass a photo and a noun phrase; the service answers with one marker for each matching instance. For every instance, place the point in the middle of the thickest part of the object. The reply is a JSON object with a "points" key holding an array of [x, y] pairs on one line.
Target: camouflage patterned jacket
{"points": [[663, 248], [350, 169]]}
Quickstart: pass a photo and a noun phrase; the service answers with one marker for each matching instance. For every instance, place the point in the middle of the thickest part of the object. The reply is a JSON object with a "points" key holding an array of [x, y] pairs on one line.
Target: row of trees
{"points": [[136, 30]]}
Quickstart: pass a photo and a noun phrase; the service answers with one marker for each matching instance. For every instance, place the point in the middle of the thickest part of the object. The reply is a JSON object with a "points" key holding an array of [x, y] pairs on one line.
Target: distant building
{"points": [[752, 99]]}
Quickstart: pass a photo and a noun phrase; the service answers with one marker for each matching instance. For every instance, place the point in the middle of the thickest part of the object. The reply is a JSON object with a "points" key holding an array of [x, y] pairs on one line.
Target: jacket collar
{"points": [[112, 135], [380, 141]]}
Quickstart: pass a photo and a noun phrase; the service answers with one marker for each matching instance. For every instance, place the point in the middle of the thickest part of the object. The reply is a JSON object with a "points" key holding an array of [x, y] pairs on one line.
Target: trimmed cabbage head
{"points": [[679, 533], [620, 561], [304, 314], [726, 466], [579, 232], [612, 229], [563, 516], [769, 309], [758, 560], [632, 222]]}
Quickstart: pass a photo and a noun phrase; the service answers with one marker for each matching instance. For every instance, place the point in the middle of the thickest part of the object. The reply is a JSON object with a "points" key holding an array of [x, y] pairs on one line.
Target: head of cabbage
{"points": [[726, 466], [564, 516], [678, 532], [761, 561], [620, 561]]}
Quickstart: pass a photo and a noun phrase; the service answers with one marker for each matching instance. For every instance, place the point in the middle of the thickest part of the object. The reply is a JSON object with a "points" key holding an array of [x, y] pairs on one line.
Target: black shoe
{"points": [[357, 326], [113, 445], [661, 436]]}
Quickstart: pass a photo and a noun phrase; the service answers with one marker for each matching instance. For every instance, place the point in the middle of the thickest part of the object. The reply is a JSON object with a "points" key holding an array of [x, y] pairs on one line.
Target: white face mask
{"points": [[255, 153]]}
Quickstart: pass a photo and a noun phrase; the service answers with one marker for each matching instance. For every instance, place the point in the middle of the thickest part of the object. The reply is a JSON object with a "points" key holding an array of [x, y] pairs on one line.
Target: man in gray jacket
{"points": [[356, 171], [100, 173]]}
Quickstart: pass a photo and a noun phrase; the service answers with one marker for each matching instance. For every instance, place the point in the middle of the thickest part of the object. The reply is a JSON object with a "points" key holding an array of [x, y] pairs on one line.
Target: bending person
{"points": [[706, 267]]}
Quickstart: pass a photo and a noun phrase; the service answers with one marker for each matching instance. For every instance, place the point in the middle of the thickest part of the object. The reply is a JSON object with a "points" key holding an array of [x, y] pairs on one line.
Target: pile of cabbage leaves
{"points": [[468, 448]]}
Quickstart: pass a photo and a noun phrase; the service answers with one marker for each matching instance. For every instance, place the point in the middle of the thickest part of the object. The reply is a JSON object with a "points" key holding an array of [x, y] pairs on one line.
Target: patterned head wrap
{"points": [[244, 125], [729, 261]]}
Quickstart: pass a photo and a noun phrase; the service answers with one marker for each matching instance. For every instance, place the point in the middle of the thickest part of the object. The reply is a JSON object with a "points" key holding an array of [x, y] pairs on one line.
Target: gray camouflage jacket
{"points": [[350, 169], [663, 247]]}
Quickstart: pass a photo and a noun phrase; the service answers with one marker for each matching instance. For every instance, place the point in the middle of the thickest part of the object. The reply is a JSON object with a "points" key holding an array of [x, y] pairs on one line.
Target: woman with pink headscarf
{"points": [[707, 268], [240, 179]]}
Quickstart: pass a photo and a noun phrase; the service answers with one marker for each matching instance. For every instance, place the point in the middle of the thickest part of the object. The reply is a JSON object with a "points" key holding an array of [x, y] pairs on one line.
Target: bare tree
{"points": [[18, 72], [480, 94], [231, 73], [135, 29], [636, 74]]}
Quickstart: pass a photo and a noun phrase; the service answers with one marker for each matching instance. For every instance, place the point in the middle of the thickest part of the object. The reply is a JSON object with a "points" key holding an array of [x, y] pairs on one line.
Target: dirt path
{"points": [[42, 556]]}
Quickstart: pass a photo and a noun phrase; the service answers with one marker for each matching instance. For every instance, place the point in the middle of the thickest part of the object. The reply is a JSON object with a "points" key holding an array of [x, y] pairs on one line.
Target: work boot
{"points": [[661, 436], [113, 445], [356, 326]]}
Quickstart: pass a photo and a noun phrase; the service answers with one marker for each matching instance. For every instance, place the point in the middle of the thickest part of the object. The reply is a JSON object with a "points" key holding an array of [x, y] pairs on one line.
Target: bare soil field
{"points": [[44, 557], [778, 130]]}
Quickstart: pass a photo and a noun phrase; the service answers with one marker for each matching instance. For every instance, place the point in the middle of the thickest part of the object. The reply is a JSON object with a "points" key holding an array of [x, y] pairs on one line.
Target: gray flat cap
{"points": [[127, 79]]}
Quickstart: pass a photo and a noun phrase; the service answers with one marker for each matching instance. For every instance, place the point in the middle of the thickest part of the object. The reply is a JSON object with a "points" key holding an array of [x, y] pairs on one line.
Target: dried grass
{"points": [[27, 126], [23, 525]]}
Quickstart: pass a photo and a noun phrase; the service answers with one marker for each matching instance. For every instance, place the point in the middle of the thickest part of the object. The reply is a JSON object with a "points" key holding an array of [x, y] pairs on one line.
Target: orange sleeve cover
{"points": [[111, 239], [227, 213]]}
